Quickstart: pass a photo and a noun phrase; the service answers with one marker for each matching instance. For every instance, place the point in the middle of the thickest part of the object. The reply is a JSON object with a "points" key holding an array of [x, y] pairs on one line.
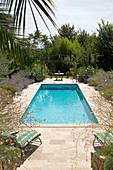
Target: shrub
{"points": [[108, 92], [10, 153], [108, 165], [103, 81], [51, 74], [67, 73], [18, 82], [81, 73], [40, 72], [73, 71], [9, 87], [5, 65], [108, 152], [90, 70], [93, 81]]}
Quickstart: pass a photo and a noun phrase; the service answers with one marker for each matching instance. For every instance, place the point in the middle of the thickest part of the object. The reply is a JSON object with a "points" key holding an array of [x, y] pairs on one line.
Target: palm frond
{"points": [[41, 6], [9, 42]]}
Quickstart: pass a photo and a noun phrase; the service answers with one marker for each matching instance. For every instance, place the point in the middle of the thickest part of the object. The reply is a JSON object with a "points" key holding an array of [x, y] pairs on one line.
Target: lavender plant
{"points": [[18, 82], [103, 81]]}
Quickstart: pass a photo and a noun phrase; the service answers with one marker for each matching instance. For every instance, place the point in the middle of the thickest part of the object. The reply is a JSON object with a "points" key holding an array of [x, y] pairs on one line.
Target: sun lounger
{"points": [[103, 138], [7, 132], [23, 139]]}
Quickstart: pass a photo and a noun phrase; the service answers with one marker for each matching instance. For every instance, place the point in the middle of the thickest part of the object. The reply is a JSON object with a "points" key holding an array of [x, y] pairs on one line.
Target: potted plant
{"points": [[67, 74], [51, 75]]}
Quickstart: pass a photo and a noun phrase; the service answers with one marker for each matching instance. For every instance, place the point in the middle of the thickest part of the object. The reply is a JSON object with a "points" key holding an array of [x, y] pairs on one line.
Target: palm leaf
{"points": [[19, 8], [8, 37], [10, 41]]}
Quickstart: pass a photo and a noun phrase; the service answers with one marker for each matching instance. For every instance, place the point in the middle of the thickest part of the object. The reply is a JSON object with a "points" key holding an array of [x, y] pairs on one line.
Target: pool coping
{"points": [[60, 125]]}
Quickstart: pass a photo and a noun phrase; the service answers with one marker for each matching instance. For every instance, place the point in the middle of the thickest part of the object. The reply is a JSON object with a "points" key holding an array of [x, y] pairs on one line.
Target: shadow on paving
{"points": [[29, 150]]}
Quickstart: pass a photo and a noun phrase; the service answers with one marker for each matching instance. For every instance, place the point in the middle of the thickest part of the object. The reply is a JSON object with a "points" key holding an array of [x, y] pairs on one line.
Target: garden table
{"points": [[59, 75]]}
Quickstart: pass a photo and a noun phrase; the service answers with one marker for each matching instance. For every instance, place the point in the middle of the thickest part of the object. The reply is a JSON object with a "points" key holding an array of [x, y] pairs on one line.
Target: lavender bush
{"points": [[18, 82], [103, 81]]}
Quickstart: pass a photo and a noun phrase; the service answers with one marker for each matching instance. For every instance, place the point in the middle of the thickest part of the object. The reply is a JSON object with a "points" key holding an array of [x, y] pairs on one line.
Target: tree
{"points": [[38, 48], [9, 42], [88, 43], [105, 38], [83, 38], [67, 31]]}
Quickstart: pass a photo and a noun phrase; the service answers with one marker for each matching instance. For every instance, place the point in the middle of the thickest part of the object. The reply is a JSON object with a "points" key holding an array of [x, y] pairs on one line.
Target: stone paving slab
{"points": [[61, 150]]}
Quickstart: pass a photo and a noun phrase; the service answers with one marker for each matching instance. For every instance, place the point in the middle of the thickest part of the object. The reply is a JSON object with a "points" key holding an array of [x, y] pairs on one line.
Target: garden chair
{"points": [[21, 140], [103, 138]]}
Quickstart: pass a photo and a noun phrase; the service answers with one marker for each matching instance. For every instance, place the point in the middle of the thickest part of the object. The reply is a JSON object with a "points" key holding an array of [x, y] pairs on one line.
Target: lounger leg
{"points": [[23, 153], [94, 141]]}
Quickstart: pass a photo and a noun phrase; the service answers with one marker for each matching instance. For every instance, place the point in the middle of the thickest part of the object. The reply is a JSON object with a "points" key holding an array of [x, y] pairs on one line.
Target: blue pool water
{"points": [[58, 104]]}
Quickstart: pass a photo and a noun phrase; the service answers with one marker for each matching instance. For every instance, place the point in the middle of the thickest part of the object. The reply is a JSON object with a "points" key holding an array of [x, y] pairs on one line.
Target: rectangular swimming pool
{"points": [[58, 104]]}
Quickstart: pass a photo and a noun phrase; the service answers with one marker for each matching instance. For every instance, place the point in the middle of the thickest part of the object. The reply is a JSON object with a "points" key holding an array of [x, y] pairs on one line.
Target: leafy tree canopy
{"points": [[105, 38], [67, 31]]}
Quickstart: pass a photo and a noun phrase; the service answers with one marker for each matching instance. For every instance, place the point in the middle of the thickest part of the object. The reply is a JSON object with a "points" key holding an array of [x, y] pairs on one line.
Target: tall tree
{"points": [[67, 31], [83, 37], [105, 38]]}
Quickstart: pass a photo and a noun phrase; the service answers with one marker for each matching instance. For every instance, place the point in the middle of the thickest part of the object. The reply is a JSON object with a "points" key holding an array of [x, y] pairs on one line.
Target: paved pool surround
{"points": [[65, 147]]}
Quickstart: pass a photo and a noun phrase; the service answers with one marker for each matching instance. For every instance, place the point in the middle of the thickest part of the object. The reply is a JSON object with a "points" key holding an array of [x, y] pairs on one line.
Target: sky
{"points": [[84, 14]]}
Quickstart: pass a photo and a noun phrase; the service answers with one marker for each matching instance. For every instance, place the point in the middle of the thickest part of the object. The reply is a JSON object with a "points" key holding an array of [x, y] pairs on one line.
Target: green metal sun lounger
{"points": [[26, 137], [20, 141], [103, 138], [23, 139], [7, 132]]}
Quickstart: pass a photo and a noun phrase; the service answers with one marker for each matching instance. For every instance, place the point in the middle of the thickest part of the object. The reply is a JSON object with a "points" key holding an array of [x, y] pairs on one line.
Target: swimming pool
{"points": [[58, 104]]}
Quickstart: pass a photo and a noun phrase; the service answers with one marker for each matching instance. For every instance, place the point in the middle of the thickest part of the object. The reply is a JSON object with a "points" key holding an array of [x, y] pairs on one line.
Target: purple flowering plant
{"points": [[18, 82]]}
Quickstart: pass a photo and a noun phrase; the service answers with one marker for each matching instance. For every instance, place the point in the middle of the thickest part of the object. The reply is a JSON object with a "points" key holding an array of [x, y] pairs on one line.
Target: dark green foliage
{"points": [[67, 73], [5, 65], [81, 73], [40, 72], [106, 151], [105, 38], [108, 165], [9, 154], [67, 31], [90, 70], [9, 87], [51, 74], [83, 37], [73, 71]]}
